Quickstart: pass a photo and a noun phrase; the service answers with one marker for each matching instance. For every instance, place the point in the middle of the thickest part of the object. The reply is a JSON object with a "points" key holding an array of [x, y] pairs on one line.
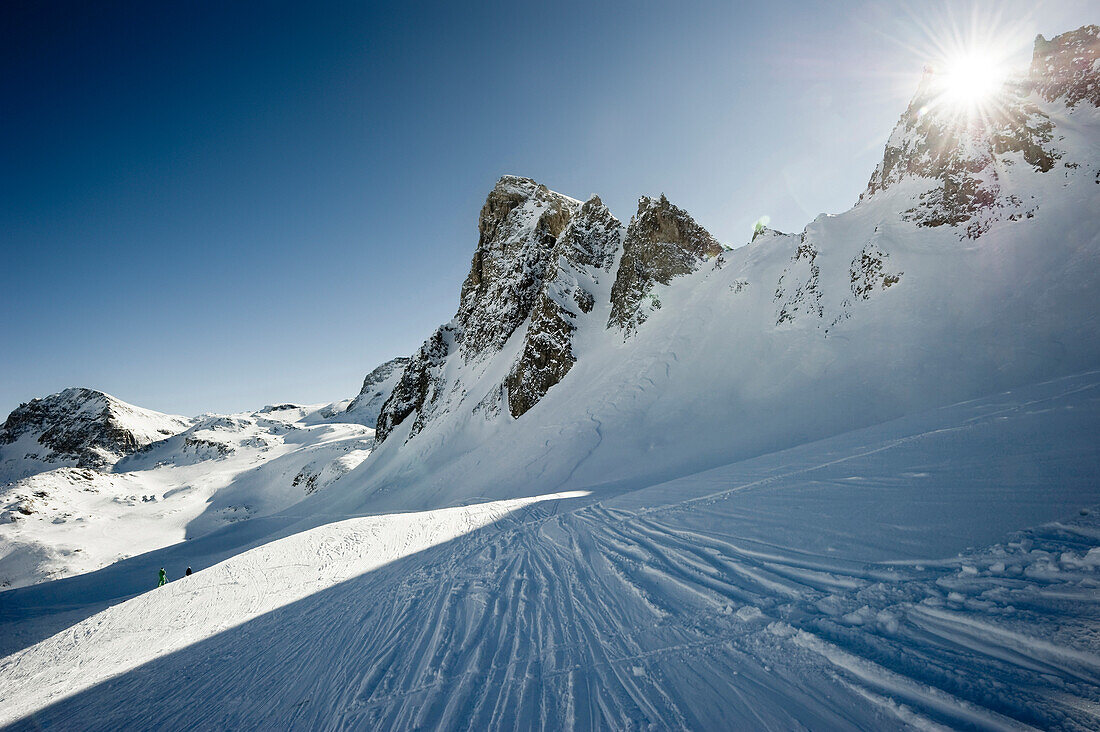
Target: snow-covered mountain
{"points": [[640, 479], [90, 480], [586, 352], [77, 427]]}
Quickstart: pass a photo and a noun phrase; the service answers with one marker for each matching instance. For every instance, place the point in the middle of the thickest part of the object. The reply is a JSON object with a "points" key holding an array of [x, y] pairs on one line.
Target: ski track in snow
{"points": [[685, 605]]}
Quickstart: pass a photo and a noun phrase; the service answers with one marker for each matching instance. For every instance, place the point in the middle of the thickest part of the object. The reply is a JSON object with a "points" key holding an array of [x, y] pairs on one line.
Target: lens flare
{"points": [[971, 79]]}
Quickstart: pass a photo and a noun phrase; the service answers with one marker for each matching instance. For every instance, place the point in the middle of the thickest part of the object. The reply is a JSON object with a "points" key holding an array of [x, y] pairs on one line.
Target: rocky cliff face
{"points": [[519, 228], [377, 387], [420, 385], [1067, 67], [517, 252], [540, 259], [966, 155], [83, 428], [583, 255], [662, 242]]}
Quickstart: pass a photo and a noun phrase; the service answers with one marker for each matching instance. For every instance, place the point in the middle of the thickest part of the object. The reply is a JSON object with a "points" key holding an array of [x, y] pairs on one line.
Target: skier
{"points": [[188, 572], [163, 578]]}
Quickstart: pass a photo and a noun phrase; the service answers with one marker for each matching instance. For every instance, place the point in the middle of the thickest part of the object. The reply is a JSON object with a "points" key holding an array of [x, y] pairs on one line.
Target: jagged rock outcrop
{"points": [[377, 387], [584, 254], [868, 272], [799, 288], [966, 154], [519, 228], [82, 427], [963, 154], [662, 242], [420, 385], [1068, 66]]}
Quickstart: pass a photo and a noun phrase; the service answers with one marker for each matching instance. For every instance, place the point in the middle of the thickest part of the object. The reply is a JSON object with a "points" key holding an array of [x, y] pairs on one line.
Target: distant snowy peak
{"points": [[662, 242], [1067, 67], [377, 387], [80, 427], [968, 158]]}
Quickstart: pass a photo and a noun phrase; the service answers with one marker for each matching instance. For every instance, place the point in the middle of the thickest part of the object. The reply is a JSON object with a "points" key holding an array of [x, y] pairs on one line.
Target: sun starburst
{"points": [[971, 79]]}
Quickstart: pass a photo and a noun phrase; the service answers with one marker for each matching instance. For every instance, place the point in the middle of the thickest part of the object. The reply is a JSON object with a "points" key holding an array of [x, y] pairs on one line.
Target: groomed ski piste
{"points": [[883, 578]]}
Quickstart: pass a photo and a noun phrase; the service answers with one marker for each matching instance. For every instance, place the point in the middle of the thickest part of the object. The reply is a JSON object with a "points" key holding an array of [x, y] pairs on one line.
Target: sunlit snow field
{"points": [[874, 579]]}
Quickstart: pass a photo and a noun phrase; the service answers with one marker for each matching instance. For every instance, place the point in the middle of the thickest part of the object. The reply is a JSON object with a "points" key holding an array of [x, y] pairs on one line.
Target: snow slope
{"points": [[843, 583], [640, 481], [971, 264], [220, 470]]}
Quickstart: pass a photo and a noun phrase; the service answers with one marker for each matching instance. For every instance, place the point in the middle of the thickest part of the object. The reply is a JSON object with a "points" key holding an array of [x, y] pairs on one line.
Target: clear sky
{"points": [[212, 206]]}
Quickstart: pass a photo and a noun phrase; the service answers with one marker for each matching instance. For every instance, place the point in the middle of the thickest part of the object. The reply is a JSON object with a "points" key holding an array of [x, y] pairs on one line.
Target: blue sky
{"points": [[210, 206]]}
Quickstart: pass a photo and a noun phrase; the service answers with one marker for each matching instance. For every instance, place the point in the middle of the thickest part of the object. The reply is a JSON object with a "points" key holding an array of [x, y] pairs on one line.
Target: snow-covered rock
{"points": [[662, 242], [582, 258], [519, 228], [516, 253], [962, 158], [377, 387], [1067, 67], [78, 427]]}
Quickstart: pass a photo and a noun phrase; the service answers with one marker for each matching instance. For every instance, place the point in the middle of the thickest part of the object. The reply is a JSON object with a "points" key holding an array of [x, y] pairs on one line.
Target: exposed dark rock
{"points": [[662, 242], [419, 386], [1068, 66], [584, 253], [518, 230], [868, 272], [799, 287]]}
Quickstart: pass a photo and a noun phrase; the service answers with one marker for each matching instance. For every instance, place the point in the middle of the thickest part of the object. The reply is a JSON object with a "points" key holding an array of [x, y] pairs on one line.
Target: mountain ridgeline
{"points": [[541, 262], [544, 259], [599, 351]]}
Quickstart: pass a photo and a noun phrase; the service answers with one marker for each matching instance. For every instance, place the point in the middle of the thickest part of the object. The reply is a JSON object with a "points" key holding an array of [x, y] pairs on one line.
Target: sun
{"points": [[970, 80], [970, 59]]}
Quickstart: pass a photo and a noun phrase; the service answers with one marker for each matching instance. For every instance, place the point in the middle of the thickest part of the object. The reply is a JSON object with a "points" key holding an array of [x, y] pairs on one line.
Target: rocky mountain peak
{"points": [[518, 229], [518, 233], [584, 255], [1067, 66], [662, 242], [82, 427], [963, 155]]}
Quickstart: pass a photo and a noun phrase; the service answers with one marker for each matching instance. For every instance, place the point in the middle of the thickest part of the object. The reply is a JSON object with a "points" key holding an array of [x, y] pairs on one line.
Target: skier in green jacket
{"points": [[163, 578]]}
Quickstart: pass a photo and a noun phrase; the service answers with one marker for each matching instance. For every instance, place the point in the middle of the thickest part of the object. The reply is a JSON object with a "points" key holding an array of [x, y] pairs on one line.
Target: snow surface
{"points": [[788, 499], [84, 416], [222, 469], [884, 578]]}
